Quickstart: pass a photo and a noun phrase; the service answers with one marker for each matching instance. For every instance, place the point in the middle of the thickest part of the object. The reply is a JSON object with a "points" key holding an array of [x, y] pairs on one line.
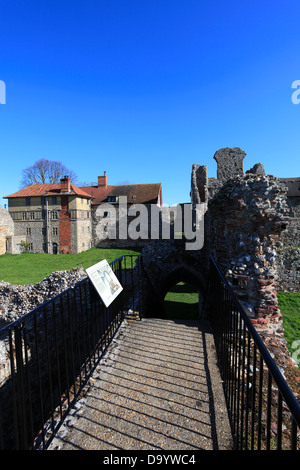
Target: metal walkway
{"points": [[157, 388]]}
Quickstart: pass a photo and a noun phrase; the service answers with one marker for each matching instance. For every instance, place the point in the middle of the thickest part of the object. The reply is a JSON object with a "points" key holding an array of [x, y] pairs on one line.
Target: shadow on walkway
{"points": [[157, 388]]}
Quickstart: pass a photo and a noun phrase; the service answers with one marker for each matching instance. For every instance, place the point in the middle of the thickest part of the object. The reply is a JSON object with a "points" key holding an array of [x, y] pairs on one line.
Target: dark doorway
{"points": [[55, 248], [154, 301]]}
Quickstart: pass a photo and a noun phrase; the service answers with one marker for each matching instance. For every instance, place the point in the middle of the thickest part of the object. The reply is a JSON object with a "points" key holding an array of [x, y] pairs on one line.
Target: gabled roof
{"points": [[49, 189], [144, 193]]}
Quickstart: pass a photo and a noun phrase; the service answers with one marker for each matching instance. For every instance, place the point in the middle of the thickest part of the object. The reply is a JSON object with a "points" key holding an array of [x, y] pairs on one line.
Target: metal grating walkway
{"points": [[157, 388]]}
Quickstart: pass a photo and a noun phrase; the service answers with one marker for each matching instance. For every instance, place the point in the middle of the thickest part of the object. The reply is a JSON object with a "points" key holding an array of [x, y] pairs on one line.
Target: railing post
{"points": [[21, 389], [240, 348]]}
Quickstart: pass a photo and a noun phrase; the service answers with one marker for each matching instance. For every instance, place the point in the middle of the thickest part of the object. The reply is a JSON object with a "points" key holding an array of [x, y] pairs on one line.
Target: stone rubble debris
{"points": [[17, 300]]}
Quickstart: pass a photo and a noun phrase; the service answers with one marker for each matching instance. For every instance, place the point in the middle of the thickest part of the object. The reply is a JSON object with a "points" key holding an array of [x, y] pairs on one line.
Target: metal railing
{"points": [[48, 355], [263, 412]]}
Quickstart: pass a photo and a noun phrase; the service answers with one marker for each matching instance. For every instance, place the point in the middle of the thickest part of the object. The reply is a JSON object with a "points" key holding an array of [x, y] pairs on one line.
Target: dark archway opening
{"points": [[183, 282]]}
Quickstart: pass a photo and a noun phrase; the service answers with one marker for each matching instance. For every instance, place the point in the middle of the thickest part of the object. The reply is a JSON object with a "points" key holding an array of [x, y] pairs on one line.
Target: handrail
{"points": [[51, 353], [53, 299], [286, 392]]}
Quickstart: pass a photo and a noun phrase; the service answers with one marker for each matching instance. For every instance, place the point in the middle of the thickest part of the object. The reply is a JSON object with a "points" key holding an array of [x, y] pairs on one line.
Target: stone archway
{"points": [[164, 264], [180, 274]]}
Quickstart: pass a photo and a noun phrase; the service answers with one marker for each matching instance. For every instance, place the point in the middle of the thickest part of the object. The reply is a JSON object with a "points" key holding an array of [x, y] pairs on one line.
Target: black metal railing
{"points": [[263, 412], [48, 355]]}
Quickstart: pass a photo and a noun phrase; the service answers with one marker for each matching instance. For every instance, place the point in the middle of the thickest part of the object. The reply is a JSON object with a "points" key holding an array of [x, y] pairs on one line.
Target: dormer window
{"points": [[111, 198]]}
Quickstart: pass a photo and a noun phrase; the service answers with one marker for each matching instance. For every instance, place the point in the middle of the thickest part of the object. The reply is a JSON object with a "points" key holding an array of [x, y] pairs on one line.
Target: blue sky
{"points": [[144, 89]]}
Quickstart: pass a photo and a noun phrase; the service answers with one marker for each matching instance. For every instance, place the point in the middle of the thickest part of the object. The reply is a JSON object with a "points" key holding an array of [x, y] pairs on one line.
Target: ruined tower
{"points": [[230, 162]]}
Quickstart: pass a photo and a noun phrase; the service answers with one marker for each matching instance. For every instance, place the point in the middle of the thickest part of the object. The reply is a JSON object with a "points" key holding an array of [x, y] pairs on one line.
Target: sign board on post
{"points": [[105, 281]]}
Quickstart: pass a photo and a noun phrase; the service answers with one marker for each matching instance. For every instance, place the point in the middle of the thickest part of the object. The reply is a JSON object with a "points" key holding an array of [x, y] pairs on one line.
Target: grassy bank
{"points": [[30, 268], [289, 304]]}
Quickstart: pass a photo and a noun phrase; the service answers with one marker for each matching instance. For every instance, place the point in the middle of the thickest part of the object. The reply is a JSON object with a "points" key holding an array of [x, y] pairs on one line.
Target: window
{"points": [[111, 199], [54, 231], [28, 231], [54, 200], [24, 215], [27, 201], [106, 214], [31, 215], [54, 215], [30, 246]]}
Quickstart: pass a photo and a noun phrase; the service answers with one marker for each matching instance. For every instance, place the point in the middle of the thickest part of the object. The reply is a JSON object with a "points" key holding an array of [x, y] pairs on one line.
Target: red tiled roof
{"points": [[50, 189], [144, 193]]}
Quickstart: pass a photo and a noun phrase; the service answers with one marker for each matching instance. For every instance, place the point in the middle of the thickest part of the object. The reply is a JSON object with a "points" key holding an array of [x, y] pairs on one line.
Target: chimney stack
{"points": [[102, 181], [65, 184]]}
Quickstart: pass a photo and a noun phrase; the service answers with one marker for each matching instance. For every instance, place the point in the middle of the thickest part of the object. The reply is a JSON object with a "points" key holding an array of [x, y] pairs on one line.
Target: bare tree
{"points": [[46, 171]]}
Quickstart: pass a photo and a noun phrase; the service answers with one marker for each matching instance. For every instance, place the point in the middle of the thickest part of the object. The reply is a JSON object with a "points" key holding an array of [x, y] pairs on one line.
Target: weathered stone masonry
{"points": [[250, 226], [246, 219]]}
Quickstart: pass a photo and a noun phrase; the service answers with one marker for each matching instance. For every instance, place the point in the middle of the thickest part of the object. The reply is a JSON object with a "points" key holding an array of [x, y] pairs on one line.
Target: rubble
{"points": [[17, 300]]}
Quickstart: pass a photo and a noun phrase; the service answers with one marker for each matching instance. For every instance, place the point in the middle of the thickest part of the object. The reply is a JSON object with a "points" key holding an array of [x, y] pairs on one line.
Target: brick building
{"points": [[52, 218], [62, 218], [109, 197]]}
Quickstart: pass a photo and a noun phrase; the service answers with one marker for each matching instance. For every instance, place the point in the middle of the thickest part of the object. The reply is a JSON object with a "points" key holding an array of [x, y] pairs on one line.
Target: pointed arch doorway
{"points": [[180, 294]]}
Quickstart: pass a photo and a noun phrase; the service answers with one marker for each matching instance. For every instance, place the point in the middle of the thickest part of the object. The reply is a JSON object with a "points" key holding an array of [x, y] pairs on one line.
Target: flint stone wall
{"points": [[230, 162], [288, 262], [248, 224], [247, 217]]}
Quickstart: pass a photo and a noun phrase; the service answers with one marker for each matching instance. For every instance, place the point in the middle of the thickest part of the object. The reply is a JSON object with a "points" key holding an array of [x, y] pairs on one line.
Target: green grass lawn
{"points": [[289, 304], [181, 302], [30, 268]]}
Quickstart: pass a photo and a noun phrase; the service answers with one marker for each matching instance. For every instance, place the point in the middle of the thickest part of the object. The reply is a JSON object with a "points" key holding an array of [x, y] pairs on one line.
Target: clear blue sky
{"points": [[144, 89]]}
